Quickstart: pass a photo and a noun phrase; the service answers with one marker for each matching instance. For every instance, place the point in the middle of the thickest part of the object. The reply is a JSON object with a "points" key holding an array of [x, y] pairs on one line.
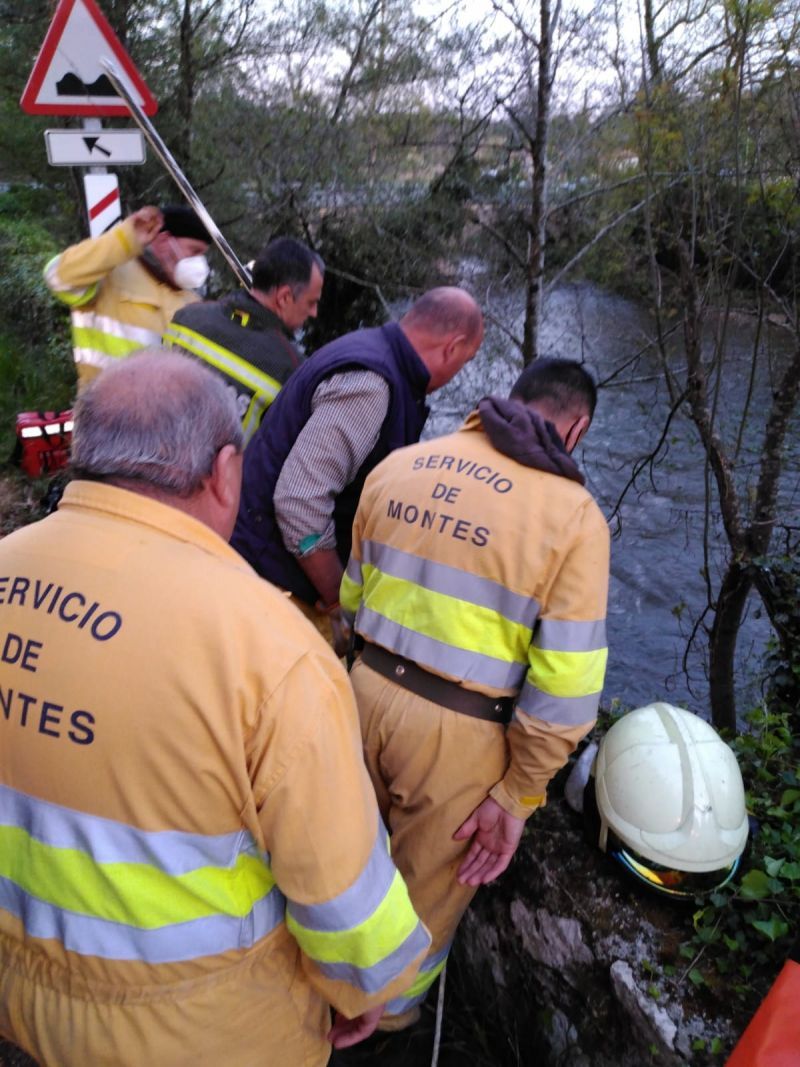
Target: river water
{"points": [[657, 589]]}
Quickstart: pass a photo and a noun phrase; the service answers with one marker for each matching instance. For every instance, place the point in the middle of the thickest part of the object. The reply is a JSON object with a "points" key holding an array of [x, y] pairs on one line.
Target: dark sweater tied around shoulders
{"points": [[521, 433]]}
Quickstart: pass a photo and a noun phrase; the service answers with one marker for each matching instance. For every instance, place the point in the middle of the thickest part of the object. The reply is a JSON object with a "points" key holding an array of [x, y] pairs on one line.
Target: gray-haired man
{"points": [[168, 892]]}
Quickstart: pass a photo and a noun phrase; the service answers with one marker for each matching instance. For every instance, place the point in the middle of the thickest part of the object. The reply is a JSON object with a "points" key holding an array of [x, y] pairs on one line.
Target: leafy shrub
{"points": [[741, 933], [36, 368]]}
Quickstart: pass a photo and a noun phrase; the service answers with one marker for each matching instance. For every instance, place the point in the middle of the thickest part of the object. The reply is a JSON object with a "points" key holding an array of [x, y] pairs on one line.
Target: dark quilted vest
{"points": [[384, 350]]}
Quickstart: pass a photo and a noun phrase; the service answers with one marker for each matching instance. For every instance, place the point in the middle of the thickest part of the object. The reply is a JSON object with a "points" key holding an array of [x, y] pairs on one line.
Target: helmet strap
{"points": [[603, 842]]}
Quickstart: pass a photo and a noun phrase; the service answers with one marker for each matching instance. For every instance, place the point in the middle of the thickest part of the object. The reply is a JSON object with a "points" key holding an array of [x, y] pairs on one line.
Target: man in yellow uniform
{"points": [[192, 864], [478, 582], [123, 287]]}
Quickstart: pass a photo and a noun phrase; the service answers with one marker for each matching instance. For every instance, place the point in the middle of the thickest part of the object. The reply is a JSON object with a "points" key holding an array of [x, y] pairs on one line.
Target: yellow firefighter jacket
{"points": [[116, 304], [191, 858], [494, 574]]}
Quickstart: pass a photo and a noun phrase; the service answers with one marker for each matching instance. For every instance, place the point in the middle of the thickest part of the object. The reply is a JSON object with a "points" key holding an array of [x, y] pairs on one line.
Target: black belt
{"points": [[409, 675]]}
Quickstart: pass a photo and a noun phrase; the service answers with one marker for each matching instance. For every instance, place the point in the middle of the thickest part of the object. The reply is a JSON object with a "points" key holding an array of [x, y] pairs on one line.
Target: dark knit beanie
{"points": [[181, 221]]}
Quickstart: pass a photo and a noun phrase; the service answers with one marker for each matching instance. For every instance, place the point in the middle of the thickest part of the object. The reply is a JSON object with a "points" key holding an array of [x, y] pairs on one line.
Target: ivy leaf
{"points": [[772, 866], [755, 885], [789, 796], [772, 928], [696, 978], [791, 871]]}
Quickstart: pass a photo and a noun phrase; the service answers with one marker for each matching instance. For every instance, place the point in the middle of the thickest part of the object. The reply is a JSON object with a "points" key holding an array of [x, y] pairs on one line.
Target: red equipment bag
{"points": [[772, 1038], [43, 440]]}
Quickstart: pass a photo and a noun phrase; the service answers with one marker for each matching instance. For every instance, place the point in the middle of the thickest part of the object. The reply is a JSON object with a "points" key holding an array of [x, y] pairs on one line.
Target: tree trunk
{"points": [[535, 266], [186, 88], [731, 601]]}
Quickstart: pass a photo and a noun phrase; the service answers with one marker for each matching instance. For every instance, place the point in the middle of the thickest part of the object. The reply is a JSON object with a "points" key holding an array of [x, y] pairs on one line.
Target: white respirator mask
{"points": [[191, 272]]}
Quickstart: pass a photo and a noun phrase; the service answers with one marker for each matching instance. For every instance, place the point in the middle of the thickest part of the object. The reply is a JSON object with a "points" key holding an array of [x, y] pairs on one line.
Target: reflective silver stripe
{"points": [[107, 841], [403, 1003], [442, 578], [562, 711], [353, 571], [95, 358], [356, 903], [90, 936], [437, 656], [371, 979], [220, 357], [89, 320], [558, 635]]}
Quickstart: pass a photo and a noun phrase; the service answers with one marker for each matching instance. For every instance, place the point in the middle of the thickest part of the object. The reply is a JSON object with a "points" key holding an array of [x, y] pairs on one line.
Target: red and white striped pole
{"points": [[103, 205]]}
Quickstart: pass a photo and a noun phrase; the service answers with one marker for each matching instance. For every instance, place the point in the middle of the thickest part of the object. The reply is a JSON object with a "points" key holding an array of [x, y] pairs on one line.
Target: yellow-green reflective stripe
{"points": [[568, 674], [424, 980], [445, 618], [350, 593], [76, 300], [367, 943], [132, 893], [86, 337], [430, 968], [72, 297], [223, 359], [252, 417]]}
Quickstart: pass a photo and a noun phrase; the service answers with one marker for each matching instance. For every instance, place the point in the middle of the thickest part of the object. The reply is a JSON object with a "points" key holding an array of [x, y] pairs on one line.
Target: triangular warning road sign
{"points": [[67, 78]]}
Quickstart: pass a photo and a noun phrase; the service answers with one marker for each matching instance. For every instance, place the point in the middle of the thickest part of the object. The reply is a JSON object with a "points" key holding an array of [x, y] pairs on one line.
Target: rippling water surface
{"points": [[657, 584]]}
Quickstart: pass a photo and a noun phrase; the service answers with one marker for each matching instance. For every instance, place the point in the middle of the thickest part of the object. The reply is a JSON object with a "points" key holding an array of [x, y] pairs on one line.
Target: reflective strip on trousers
{"points": [[111, 890], [367, 934]]}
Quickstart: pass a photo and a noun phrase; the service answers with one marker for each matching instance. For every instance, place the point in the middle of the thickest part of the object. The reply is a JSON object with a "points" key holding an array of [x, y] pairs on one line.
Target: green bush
{"points": [[742, 932], [36, 367], [779, 583]]}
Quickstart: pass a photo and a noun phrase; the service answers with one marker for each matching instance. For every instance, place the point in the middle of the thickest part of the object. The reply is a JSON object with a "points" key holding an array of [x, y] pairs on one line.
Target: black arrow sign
{"points": [[91, 144]]}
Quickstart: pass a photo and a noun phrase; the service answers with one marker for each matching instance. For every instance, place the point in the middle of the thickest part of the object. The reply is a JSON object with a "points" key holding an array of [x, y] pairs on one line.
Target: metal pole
{"points": [[175, 172]]}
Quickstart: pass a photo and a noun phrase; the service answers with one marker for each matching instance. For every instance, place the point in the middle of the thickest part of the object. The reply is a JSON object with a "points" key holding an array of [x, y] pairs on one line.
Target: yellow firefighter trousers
{"points": [[431, 767]]}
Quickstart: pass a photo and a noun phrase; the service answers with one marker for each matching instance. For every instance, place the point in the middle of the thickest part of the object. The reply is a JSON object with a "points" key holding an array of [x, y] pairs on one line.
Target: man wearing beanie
{"points": [[123, 287]]}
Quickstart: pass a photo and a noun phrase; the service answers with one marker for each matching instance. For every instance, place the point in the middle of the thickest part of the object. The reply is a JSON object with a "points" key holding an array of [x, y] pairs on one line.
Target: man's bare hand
{"points": [[495, 835], [346, 1032], [341, 633], [147, 223]]}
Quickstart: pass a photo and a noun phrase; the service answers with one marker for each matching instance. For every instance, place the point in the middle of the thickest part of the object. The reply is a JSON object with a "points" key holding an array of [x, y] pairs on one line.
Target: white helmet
{"points": [[670, 799]]}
